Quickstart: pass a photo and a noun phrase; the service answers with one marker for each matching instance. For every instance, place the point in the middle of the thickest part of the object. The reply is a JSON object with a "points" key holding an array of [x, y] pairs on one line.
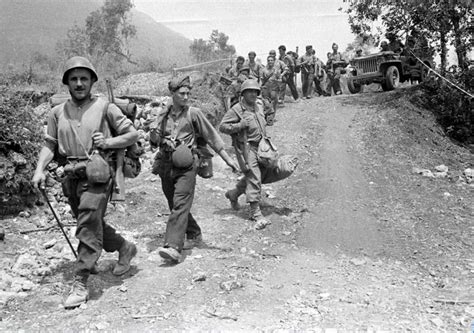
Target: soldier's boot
{"points": [[79, 294], [127, 251], [256, 215], [233, 196]]}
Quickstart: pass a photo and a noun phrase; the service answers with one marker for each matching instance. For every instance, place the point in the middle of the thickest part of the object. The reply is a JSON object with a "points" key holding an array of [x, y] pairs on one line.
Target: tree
{"points": [[440, 21], [105, 36], [214, 48]]}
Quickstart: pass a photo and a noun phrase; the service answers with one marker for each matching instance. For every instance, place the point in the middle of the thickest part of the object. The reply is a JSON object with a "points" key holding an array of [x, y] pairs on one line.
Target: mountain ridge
{"points": [[30, 26]]}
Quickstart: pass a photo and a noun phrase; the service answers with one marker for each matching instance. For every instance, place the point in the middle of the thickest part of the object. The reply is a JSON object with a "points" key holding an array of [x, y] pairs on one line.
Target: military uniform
{"points": [[334, 73], [88, 201], [177, 183], [307, 62]]}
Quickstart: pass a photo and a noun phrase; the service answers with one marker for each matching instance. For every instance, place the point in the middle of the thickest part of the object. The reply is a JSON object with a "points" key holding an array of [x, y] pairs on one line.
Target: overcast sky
{"points": [[258, 25]]}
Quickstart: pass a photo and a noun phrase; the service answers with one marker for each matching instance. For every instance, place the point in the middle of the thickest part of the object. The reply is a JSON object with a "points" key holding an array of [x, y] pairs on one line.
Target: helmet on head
{"points": [[250, 84], [78, 62]]}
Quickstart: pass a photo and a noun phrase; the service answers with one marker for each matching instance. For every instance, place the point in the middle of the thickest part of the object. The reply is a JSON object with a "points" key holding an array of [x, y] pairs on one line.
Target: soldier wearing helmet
{"points": [[178, 132], [334, 68], [75, 128], [246, 123]]}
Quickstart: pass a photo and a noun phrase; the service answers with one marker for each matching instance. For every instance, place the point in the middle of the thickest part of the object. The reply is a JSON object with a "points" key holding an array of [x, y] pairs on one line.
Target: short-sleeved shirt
{"points": [[71, 127]]}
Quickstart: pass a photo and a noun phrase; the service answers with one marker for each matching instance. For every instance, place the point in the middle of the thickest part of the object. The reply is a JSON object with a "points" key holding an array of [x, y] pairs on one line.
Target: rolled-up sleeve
{"points": [[207, 131], [51, 135], [117, 120], [229, 123]]}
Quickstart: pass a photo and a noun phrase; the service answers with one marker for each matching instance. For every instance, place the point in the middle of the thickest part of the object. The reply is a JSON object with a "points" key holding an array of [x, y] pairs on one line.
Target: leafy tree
{"points": [[214, 48], [105, 36], [440, 21]]}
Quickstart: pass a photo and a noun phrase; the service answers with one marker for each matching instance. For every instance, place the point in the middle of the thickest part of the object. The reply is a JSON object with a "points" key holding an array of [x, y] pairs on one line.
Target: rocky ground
{"points": [[373, 232]]}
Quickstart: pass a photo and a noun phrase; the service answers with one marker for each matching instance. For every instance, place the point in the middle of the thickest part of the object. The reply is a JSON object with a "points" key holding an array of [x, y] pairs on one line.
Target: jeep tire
{"points": [[392, 78], [354, 87]]}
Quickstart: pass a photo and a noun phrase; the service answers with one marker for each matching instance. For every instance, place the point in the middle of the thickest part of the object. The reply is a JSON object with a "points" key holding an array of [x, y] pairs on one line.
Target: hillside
{"points": [[27, 26]]}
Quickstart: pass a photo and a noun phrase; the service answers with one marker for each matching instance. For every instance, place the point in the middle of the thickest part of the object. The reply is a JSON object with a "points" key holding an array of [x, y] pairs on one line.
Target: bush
{"points": [[452, 107], [21, 135]]}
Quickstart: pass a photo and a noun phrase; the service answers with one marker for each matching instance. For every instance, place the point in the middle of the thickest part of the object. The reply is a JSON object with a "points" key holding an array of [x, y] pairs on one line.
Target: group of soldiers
{"points": [[281, 69], [88, 131]]}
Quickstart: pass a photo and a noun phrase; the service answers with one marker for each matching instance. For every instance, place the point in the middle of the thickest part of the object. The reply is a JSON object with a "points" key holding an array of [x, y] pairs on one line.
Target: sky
{"points": [[257, 25]]}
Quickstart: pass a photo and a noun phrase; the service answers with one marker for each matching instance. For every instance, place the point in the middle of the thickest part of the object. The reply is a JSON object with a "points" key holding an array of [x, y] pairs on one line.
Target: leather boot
{"points": [[79, 294], [256, 215], [127, 251], [233, 196]]}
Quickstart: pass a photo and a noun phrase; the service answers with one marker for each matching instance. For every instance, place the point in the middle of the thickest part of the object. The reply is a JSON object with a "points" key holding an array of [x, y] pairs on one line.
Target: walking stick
{"points": [[57, 220]]}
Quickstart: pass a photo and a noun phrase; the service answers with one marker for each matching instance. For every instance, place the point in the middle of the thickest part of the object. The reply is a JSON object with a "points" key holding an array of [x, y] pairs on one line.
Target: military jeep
{"points": [[387, 68]]}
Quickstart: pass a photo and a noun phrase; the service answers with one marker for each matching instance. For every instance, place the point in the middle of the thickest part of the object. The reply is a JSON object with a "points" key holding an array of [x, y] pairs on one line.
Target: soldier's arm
{"points": [[231, 123]]}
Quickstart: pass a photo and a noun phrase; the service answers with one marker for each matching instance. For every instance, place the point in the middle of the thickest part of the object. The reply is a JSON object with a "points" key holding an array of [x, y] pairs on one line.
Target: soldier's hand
{"points": [[39, 180], [234, 166], [99, 140], [243, 124]]}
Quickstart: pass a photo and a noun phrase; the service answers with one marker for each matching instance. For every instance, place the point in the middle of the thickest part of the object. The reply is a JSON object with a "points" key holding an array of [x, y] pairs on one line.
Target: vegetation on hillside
{"points": [[215, 47]]}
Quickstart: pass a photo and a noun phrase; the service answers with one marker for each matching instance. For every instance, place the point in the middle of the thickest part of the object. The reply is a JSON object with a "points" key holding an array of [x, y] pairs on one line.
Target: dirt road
{"points": [[358, 241]]}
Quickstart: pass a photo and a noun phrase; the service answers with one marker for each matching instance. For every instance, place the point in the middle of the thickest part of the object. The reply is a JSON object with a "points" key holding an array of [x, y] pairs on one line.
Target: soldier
{"points": [[283, 69], [255, 68], [246, 123], [318, 75], [270, 80], [74, 128], [307, 63], [394, 43], [289, 77], [334, 68], [176, 132], [234, 72], [384, 46]]}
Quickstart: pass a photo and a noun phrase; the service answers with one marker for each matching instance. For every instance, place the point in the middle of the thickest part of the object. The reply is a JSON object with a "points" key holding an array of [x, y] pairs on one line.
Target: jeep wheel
{"points": [[392, 78], [353, 86]]}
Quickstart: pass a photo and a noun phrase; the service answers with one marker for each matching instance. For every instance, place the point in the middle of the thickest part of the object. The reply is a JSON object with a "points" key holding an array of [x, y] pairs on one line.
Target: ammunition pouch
{"points": [[76, 169]]}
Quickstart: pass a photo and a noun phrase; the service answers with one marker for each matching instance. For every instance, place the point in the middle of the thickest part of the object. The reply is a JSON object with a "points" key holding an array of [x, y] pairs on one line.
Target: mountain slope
{"points": [[29, 26]]}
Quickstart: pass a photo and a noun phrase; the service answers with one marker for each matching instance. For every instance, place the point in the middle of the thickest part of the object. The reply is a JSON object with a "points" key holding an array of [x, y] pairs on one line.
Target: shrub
{"points": [[452, 107], [21, 134]]}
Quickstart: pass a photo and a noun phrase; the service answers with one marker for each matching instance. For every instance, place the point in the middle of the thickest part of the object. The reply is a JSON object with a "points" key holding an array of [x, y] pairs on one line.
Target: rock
{"points": [[24, 265], [123, 289], [437, 321], [469, 175], [2, 234], [423, 172], [24, 214], [441, 168], [198, 277], [17, 159], [49, 244], [230, 285], [358, 261]]}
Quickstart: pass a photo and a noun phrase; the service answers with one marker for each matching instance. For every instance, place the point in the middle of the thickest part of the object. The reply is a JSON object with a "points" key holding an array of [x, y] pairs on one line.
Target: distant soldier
{"points": [[289, 77], [384, 46], [234, 72], [307, 63], [394, 43], [334, 67], [75, 128], [270, 79], [283, 69], [318, 75], [255, 68]]}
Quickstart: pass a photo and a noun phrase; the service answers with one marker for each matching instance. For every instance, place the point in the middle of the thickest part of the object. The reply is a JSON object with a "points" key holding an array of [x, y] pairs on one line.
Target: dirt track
{"points": [[358, 241]]}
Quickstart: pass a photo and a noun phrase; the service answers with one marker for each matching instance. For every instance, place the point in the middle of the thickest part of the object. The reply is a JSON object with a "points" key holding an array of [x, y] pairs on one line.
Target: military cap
{"points": [[178, 82], [282, 47], [309, 47]]}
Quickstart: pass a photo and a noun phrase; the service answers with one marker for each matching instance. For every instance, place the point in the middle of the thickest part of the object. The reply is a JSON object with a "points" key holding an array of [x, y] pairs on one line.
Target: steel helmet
{"points": [[250, 84], [79, 62]]}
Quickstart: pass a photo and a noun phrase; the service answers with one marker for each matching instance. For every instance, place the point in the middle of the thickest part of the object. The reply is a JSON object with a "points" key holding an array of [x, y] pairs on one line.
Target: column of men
{"points": [[317, 78]]}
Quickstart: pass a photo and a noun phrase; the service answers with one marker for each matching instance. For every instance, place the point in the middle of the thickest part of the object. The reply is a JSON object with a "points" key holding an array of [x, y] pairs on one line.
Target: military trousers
{"points": [[306, 81], [178, 185], [88, 204], [251, 183], [290, 81]]}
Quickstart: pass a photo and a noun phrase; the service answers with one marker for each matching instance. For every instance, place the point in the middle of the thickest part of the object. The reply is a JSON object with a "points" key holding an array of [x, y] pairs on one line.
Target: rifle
{"points": [[118, 193]]}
